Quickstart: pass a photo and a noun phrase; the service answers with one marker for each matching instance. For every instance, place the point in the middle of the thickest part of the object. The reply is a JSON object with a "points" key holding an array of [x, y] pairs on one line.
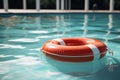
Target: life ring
{"points": [[74, 49]]}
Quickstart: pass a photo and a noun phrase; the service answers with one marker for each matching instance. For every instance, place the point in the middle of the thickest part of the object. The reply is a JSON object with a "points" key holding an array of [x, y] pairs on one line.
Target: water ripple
{"points": [[38, 32], [28, 40], [11, 46], [23, 60]]}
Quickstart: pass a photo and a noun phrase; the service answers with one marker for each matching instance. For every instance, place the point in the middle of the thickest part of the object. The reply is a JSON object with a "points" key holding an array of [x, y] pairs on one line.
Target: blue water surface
{"points": [[22, 36]]}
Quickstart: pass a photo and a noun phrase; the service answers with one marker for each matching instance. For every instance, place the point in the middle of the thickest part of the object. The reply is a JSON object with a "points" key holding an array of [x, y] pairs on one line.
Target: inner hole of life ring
{"points": [[71, 43]]}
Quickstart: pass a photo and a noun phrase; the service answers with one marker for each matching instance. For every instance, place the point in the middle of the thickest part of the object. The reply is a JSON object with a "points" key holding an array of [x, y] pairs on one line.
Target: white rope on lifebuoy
{"points": [[95, 51]]}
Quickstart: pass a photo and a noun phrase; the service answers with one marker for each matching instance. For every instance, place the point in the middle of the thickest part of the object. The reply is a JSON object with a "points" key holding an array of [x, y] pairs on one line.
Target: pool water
{"points": [[22, 36]]}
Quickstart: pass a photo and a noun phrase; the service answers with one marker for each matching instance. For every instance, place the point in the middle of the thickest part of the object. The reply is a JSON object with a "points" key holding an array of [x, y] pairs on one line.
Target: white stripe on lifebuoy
{"points": [[60, 41], [95, 51]]}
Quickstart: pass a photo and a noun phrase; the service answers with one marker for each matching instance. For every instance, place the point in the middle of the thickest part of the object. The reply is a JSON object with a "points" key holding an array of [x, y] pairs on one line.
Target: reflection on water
{"points": [[85, 24], [22, 36], [83, 68], [110, 22]]}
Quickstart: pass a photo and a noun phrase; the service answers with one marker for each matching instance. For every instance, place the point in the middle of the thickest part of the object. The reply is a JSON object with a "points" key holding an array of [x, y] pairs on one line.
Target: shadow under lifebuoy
{"points": [[78, 69]]}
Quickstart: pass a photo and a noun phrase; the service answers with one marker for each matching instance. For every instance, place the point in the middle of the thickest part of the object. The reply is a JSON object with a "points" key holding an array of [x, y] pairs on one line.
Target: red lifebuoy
{"points": [[74, 49]]}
